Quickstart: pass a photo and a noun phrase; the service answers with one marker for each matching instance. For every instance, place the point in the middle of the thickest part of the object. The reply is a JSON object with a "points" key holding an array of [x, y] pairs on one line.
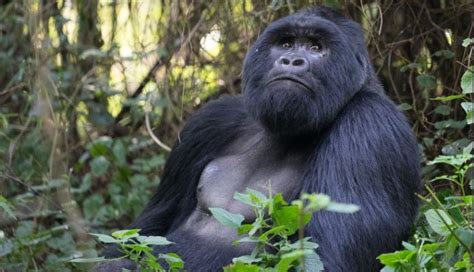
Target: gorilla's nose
{"points": [[293, 63]]}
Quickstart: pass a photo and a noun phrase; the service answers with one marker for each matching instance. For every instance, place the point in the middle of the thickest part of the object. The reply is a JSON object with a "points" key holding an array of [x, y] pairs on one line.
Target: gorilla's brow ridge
{"points": [[311, 27]]}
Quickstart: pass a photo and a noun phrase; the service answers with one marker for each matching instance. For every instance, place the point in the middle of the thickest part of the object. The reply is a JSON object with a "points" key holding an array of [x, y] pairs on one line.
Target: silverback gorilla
{"points": [[312, 118]]}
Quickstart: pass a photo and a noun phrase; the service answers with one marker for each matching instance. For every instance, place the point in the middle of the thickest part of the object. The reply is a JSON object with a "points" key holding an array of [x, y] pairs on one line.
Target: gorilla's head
{"points": [[303, 70]]}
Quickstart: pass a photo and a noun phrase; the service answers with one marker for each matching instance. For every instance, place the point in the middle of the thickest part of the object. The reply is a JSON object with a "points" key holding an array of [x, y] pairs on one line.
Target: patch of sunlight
{"points": [[448, 33], [210, 43], [425, 58], [114, 104], [81, 121]]}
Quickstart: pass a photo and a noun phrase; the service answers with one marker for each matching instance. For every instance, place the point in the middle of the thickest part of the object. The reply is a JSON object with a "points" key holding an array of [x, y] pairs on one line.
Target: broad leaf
{"points": [[99, 166], [426, 81], [342, 207], [126, 234], [226, 218], [469, 109], [105, 238], [436, 219], [88, 260], [467, 81], [154, 240]]}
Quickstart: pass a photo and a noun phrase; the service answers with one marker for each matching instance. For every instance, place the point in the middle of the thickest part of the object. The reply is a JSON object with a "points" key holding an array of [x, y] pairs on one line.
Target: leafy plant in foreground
{"points": [[272, 232], [444, 237], [139, 249], [446, 243]]}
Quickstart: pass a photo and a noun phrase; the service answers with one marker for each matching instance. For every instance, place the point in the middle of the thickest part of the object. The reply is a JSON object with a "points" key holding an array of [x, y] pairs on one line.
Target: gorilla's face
{"points": [[303, 70]]}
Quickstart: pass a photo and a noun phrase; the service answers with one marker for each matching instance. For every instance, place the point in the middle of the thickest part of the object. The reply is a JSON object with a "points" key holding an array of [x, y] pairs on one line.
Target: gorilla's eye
{"points": [[286, 45], [315, 47]]}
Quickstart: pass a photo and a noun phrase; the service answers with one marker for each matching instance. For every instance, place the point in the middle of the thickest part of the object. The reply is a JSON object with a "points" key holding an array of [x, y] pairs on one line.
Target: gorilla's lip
{"points": [[289, 78]]}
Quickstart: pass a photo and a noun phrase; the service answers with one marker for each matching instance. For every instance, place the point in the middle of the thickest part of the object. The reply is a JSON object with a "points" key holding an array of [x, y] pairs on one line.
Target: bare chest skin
{"points": [[251, 162]]}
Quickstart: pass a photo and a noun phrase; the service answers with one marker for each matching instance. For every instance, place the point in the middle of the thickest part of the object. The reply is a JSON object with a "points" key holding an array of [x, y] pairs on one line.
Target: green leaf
{"points": [[24, 229], [6, 247], [247, 259], [244, 198], [448, 98], [465, 263], [312, 262], [246, 240], [152, 263], [289, 217], [408, 246], [105, 238], [394, 258], [307, 244], [279, 230], [447, 54], [468, 199], [120, 152], [405, 107], [89, 260], [156, 161], [6, 206], [443, 110], [244, 228], [242, 267], [287, 260], [126, 234], [469, 109], [256, 225], [456, 147], [468, 41], [99, 166], [316, 201], [410, 66], [99, 115], [450, 124], [435, 220], [276, 203], [467, 81], [342, 207], [172, 259], [226, 218], [456, 160], [256, 196], [100, 146], [466, 236], [426, 81], [154, 240]]}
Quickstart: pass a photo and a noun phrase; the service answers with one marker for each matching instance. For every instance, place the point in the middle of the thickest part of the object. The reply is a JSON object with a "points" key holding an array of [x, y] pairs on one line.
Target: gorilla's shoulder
{"points": [[225, 108], [226, 113], [226, 103], [371, 110], [374, 102]]}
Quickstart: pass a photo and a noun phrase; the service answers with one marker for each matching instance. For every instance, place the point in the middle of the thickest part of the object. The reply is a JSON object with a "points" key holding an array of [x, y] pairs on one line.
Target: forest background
{"points": [[92, 94]]}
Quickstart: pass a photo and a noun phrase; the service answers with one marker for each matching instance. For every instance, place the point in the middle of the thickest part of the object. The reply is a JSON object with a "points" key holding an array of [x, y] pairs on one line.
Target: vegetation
{"points": [[92, 94]]}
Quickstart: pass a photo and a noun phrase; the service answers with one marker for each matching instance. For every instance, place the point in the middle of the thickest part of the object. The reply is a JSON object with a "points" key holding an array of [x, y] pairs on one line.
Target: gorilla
{"points": [[312, 117]]}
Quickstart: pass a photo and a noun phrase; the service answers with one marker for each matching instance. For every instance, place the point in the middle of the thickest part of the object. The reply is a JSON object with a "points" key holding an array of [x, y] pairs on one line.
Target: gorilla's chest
{"points": [[251, 163]]}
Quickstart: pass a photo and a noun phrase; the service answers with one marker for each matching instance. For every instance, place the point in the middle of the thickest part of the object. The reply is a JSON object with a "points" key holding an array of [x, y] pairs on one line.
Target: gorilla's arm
{"points": [[206, 133], [368, 158]]}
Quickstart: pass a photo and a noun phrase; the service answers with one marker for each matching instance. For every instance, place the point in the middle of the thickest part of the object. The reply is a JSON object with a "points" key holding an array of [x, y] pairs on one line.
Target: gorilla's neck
{"points": [[283, 141]]}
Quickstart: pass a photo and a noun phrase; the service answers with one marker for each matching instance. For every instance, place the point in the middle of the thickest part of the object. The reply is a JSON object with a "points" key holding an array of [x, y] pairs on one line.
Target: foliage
{"points": [[139, 249], [276, 222], [444, 237], [80, 81]]}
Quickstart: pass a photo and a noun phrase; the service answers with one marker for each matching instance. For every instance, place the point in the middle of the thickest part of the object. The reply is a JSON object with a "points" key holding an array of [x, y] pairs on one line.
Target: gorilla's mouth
{"points": [[289, 78]]}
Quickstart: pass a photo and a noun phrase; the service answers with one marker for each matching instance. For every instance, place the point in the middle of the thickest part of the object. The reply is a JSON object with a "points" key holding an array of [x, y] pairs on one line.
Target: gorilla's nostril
{"points": [[285, 61], [298, 62]]}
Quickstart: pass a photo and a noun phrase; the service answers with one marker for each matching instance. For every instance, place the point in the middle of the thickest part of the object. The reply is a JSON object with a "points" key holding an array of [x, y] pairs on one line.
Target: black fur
{"points": [[364, 152]]}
